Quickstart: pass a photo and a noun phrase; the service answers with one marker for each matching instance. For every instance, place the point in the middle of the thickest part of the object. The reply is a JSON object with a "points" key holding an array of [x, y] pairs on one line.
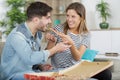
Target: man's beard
{"points": [[42, 29]]}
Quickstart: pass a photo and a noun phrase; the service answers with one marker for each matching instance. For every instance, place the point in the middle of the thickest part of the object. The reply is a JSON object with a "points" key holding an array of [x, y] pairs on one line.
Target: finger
{"points": [[51, 68], [47, 35], [67, 47], [48, 65], [62, 35], [52, 38], [65, 42], [48, 68], [55, 31]]}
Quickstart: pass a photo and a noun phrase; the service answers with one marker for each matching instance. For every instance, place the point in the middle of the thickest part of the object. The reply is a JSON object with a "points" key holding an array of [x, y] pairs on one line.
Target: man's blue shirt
{"points": [[21, 52]]}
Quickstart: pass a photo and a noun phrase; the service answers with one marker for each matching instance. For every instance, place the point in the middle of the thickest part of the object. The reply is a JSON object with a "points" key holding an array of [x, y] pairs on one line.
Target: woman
{"points": [[74, 31]]}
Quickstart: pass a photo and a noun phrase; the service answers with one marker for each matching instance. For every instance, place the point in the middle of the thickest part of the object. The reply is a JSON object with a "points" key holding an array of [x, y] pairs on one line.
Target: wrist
{"points": [[53, 51]]}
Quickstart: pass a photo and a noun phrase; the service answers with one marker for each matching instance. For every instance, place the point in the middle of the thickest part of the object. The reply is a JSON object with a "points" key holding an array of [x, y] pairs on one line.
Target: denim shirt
{"points": [[21, 52]]}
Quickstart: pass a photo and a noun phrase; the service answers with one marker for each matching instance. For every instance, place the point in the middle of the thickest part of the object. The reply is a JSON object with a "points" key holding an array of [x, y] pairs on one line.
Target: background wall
{"points": [[93, 18], [3, 10]]}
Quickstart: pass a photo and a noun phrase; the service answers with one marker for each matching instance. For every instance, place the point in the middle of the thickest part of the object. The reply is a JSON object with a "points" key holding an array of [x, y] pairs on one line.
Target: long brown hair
{"points": [[80, 10]]}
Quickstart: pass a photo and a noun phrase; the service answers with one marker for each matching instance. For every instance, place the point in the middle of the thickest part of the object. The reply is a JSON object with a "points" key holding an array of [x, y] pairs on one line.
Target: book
{"points": [[83, 70]]}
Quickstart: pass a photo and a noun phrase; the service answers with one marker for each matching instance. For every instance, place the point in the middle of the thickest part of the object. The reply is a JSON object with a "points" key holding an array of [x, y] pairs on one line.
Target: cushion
{"points": [[89, 55]]}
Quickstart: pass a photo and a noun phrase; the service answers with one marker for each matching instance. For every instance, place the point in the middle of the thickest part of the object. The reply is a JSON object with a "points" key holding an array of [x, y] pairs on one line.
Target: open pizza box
{"points": [[81, 71]]}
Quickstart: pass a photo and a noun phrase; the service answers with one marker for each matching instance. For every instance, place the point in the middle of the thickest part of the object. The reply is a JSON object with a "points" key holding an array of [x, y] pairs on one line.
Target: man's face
{"points": [[43, 22]]}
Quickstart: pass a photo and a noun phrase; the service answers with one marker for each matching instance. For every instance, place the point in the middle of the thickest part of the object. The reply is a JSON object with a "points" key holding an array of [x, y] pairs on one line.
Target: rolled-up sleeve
{"points": [[25, 53]]}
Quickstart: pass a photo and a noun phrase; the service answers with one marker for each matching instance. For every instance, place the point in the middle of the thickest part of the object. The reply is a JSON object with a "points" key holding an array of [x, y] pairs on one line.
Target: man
{"points": [[22, 51]]}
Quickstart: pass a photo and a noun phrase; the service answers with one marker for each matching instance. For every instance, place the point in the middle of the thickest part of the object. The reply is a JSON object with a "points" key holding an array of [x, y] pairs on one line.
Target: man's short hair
{"points": [[37, 9]]}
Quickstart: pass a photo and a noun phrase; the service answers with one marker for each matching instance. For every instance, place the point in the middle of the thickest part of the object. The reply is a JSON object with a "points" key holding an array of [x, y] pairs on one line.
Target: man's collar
{"points": [[25, 30]]}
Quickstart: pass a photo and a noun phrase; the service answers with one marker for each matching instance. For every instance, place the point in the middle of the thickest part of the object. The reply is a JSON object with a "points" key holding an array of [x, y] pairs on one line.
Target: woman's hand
{"points": [[64, 37]]}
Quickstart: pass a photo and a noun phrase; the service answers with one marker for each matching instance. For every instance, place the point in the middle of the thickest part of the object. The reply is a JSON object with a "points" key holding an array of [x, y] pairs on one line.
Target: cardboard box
{"points": [[81, 71]]}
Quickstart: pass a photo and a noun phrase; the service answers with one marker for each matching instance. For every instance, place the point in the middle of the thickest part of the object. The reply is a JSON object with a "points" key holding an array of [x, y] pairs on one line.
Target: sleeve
{"points": [[58, 28], [27, 55], [85, 39]]}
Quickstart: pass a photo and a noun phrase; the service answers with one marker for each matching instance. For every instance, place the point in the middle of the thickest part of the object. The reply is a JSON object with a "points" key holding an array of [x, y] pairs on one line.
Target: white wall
{"points": [[93, 18], [3, 9]]}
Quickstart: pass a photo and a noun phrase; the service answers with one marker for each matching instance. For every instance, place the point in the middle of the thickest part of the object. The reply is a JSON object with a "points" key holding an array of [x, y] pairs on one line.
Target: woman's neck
{"points": [[74, 31]]}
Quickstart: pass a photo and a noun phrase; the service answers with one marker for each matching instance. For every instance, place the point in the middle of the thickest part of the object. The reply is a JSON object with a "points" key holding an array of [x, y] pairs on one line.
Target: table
{"points": [[103, 56]]}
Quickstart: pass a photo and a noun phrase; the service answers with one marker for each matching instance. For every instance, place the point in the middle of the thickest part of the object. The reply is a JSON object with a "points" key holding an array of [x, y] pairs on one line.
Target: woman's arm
{"points": [[76, 53]]}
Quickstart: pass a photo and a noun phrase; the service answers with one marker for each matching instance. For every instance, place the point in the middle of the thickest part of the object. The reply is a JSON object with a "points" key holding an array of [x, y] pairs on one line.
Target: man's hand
{"points": [[50, 37], [64, 37], [45, 67], [62, 46], [59, 47]]}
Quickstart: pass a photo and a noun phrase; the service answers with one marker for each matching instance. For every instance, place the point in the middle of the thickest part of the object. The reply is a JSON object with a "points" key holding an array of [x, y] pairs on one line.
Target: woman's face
{"points": [[73, 19]]}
